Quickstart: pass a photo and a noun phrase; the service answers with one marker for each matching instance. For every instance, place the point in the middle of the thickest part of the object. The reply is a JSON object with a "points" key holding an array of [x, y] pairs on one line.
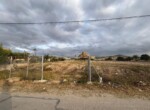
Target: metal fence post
{"points": [[10, 67], [89, 69], [42, 67], [27, 67]]}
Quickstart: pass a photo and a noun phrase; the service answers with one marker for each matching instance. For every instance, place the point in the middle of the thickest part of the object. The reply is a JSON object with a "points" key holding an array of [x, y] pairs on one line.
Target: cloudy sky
{"points": [[126, 37]]}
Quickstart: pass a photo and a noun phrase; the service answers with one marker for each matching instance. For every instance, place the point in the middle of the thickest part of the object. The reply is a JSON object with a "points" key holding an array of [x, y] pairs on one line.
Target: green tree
{"points": [[135, 57], [46, 57], [145, 57], [109, 59], [4, 54], [120, 59], [128, 59]]}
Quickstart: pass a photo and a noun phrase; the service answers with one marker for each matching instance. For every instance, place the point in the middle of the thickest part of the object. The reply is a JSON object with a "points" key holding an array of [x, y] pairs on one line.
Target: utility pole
{"points": [[34, 51], [24, 54]]}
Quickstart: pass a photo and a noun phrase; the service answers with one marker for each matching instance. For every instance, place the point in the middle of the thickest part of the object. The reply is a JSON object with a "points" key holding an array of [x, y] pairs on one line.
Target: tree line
{"points": [[5, 55], [143, 57]]}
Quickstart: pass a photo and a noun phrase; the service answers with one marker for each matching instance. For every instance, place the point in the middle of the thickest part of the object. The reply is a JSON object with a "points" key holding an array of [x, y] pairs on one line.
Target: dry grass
{"points": [[74, 70], [125, 73], [118, 77]]}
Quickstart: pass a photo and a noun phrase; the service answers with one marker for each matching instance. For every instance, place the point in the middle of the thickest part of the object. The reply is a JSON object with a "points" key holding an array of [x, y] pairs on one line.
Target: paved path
{"points": [[69, 102]]}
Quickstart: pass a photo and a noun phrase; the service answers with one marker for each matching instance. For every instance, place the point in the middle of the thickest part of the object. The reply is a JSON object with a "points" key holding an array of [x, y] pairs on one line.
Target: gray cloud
{"points": [[98, 38]]}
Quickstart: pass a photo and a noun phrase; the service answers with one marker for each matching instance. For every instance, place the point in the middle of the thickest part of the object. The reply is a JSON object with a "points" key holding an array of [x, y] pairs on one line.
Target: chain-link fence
{"points": [[4, 67], [27, 68], [81, 71], [36, 68]]}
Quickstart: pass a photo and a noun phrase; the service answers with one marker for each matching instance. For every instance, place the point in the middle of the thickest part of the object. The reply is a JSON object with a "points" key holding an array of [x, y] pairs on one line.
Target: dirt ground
{"points": [[84, 90], [123, 79]]}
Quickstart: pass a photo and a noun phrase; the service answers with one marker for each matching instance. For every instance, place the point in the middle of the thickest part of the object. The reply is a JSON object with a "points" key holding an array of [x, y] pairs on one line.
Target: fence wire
{"points": [[34, 67]]}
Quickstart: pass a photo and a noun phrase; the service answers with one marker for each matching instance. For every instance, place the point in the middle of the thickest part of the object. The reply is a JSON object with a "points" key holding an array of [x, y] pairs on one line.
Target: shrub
{"points": [[135, 57], [109, 59], [120, 59], [128, 59], [145, 57]]}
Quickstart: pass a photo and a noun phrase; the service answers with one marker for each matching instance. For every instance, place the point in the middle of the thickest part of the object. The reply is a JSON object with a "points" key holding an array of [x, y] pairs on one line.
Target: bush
{"points": [[145, 57], [128, 59], [4, 60], [109, 59], [120, 59], [135, 57]]}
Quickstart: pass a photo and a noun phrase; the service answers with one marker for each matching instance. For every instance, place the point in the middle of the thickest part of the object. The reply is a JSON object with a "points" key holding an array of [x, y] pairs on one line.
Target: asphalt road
{"points": [[70, 102]]}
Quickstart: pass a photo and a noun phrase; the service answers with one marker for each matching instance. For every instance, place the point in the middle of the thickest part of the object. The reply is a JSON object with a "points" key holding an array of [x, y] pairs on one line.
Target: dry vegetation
{"points": [[129, 78]]}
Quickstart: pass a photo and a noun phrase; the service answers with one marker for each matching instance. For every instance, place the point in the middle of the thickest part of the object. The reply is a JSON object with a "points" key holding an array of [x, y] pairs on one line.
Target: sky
{"points": [[104, 38]]}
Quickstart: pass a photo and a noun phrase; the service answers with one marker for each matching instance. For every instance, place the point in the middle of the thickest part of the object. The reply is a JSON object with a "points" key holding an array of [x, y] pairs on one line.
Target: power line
{"points": [[75, 21]]}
